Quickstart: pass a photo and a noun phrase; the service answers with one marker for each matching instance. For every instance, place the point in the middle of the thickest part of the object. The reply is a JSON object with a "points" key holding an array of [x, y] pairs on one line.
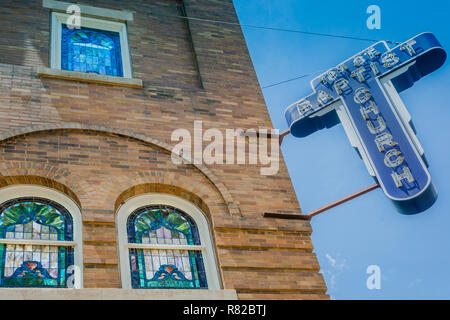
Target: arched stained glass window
{"points": [[164, 249], [36, 243], [91, 51]]}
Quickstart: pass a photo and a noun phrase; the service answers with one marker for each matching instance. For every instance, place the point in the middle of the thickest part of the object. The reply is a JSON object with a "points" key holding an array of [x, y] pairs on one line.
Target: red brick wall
{"points": [[99, 140]]}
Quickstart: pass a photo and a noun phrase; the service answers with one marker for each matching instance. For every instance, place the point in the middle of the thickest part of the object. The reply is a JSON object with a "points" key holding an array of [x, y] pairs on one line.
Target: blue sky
{"points": [[413, 252]]}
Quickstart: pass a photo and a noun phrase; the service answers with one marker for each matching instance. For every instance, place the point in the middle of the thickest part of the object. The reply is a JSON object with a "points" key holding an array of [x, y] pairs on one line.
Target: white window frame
{"points": [[58, 19], [206, 247], [25, 191]]}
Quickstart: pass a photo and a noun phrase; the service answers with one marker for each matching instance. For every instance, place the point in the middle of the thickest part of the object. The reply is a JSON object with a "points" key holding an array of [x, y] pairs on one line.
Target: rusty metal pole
{"points": [[284, 134], [324, 208], [343, 200]]}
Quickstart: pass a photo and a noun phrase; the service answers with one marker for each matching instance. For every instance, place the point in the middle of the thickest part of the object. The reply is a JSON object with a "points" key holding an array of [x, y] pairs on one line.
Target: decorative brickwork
{"points": [[40, 181]]}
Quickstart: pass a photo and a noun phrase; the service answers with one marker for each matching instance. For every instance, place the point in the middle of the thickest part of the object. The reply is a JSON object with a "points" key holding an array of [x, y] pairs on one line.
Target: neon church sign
{"points": [[362, 94]]}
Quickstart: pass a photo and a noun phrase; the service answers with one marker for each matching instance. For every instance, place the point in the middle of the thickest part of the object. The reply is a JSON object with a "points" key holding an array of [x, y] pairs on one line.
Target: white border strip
{"points": [[38, 242], [150, 246]]}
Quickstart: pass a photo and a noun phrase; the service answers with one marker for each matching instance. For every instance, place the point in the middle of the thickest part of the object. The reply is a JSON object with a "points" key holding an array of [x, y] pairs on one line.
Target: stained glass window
{"points": [[152, 231], [29, 255], [91, 51]]}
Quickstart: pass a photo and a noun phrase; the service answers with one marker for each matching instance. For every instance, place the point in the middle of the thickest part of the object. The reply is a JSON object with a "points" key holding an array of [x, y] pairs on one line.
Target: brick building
{"points": [[86, 119]]}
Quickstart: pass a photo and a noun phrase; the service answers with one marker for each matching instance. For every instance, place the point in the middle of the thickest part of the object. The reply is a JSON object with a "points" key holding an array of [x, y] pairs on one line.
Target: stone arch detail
{"points": [[40, 181], [232, 205], [163, 188], [47, 175]]}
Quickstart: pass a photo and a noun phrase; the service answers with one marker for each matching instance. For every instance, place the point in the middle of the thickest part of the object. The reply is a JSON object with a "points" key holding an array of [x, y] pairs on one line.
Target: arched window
{"points": [[38, 239], [165, 243], [91, 51]]}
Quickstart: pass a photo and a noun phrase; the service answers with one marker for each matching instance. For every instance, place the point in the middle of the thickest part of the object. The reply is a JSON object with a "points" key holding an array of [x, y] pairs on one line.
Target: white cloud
{"points": [[330, 259], [334, 262], [338, 265]]}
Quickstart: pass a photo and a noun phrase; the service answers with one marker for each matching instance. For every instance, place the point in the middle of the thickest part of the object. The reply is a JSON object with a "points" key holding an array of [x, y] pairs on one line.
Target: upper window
{"points": [[165, 247], [97, 46], [91, 51], [37, 247]]}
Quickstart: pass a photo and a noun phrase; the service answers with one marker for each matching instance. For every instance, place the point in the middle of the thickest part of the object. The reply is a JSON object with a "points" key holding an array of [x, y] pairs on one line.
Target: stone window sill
{"points": [[89, 77], [121, 15], [115, 294]]}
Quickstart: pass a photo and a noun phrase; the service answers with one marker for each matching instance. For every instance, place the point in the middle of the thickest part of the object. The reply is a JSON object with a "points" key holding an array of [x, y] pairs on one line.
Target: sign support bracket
{"points": [[324, 208]]}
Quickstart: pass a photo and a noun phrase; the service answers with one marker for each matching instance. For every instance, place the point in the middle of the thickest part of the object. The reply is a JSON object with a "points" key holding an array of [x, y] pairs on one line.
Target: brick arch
{"points": [[43, 170], [6, 181], [204, 196], [232, 206], [163, 188]]}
